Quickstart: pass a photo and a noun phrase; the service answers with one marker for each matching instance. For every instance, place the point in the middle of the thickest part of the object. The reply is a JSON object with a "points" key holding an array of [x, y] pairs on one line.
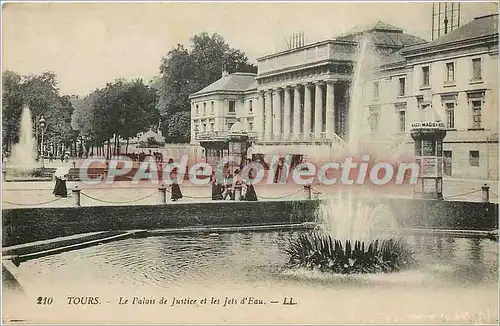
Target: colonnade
{"points": [[299, 112]]}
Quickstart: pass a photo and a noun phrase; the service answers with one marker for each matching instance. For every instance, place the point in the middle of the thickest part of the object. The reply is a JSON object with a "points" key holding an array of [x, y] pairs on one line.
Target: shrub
{"points": [[319, 251]]}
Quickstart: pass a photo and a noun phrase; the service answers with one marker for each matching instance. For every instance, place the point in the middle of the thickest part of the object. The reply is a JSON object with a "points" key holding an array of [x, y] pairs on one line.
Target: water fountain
{"points": [[22, 161], [351, 236]]}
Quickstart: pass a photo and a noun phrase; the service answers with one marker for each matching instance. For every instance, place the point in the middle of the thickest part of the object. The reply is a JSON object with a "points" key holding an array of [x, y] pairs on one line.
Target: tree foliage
{"points": [[186, 71], [41, 94], [121, 109]]}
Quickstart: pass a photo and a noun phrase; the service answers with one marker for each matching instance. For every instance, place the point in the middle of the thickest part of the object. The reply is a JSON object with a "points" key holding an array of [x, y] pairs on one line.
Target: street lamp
{"points": [[42, 127]]}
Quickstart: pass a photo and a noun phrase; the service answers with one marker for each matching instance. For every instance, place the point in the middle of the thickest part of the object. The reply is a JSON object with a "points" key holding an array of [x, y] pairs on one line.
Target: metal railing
{"points": [[221, 135]]}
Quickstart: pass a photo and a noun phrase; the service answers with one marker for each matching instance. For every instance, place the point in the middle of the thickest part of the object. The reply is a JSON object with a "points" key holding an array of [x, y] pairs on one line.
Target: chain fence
{"points": [[463, 194], [281, 197], [119, 202], [31, 204], [314, 192]]}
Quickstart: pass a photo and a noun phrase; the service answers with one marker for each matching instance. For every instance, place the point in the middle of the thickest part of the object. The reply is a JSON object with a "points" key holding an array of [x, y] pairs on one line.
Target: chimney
{"points": [[224, 70]]}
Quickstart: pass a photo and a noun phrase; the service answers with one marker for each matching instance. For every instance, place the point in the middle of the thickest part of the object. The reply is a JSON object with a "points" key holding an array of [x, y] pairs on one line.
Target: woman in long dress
{"points": [[217, 188], [60, 188], [176, 190], [250, 194]]}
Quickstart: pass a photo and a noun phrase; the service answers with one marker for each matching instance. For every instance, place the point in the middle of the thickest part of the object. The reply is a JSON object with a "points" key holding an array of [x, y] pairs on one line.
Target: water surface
{"points": [[455, 279]]}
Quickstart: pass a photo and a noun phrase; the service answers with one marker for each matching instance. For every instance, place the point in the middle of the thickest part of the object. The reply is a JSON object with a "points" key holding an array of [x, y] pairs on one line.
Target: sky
{"points": [[89, 44]]}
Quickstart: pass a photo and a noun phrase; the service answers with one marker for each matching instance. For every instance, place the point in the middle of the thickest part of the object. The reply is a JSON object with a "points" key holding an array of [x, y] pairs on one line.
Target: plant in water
{"points": [[319, 251]]}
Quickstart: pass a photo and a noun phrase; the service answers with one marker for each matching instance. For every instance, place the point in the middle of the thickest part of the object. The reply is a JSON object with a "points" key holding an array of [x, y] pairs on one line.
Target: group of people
{"points": [[141, 157], [220, 190], [227, 188]]}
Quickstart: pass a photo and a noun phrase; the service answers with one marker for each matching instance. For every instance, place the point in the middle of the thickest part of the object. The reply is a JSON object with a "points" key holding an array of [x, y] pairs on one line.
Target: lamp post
{"points": [[42, 127]]}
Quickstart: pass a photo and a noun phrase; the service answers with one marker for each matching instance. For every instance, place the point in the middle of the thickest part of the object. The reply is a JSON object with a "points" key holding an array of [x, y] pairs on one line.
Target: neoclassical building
{"points": [[301, 100], [453, 79]]}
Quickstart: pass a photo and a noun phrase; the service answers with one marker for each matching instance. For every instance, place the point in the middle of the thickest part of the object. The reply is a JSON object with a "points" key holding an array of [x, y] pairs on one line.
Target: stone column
{"points": [[296, 111], [216, 116], [330, 110], [222, 113], [260, 116], [286, 114], [307, 111], [318, 111], [269, 115], [193, 128], [277, 114]]}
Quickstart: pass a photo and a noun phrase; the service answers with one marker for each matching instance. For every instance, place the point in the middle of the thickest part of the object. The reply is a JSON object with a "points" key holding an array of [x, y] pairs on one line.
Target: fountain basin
{"points": [[454, 276], [22, 225]]}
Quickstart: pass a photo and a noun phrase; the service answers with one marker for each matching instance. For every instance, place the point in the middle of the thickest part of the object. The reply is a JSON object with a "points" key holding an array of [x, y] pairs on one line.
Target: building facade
{"points": [[308, 101], [453, 79]]}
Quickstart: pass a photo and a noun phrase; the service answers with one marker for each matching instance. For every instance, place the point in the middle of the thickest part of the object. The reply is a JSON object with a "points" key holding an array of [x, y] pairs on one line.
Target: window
{"points": [[450, 72], [450, 115], [476, 69], [422, 104], [204, 127], [476, 114], [197, 109], [425, 76], [402, 120], [250, 126], [373, 119], [250, 108], [428, 147], [232, 106], [402, 86], [213, 106], [212, 126], [204, 107], [474, 158], [375, 90], [447, 159]]}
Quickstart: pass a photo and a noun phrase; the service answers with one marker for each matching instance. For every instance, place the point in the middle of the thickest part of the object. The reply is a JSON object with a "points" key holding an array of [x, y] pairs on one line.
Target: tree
{"points": [[121, 109], [177, 130], [183, 72], [41, 95], [12, 102]]}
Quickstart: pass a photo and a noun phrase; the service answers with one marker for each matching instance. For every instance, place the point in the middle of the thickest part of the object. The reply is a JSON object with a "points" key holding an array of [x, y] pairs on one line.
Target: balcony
{"points": [[307, 55], [220, 136], [300, 138]]}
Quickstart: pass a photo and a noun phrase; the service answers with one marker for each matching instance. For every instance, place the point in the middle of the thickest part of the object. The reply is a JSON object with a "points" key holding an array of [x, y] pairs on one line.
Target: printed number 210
{"points": [[44, 300]]}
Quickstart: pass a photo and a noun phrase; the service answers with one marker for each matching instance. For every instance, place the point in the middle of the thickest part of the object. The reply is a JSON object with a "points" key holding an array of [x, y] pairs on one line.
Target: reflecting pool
{"points": [[455, 280]]}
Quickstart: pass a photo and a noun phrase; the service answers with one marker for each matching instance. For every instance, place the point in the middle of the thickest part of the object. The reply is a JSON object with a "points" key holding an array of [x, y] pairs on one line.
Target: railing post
{"points": [[105, 174], [237, 192], [162, 194], [485, 193], [76, 196], [307, 191]]}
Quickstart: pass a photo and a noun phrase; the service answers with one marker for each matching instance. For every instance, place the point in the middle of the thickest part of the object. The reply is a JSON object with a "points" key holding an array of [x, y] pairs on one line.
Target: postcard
{"points": [[250, 162]]}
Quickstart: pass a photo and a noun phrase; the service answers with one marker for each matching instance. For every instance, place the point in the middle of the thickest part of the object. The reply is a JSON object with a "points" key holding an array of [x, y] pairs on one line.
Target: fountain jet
{"points": [[344, 217], [22, 161]]}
